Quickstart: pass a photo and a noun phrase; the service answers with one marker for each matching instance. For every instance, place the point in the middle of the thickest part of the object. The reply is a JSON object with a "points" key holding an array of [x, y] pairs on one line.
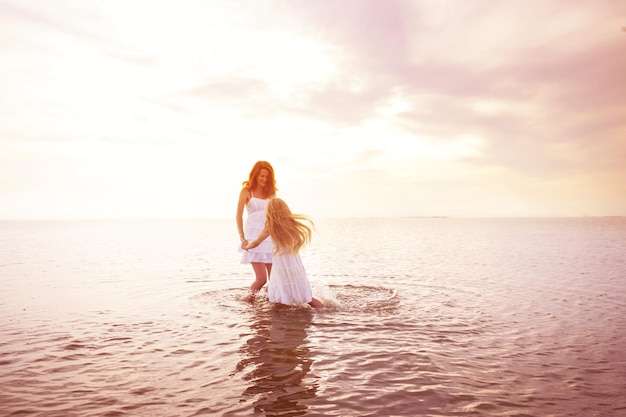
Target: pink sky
{"points": [[365, 108]]}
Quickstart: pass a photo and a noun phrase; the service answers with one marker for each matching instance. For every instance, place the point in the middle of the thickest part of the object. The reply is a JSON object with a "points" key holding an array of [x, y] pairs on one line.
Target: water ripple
{"points": [[441, 317]]}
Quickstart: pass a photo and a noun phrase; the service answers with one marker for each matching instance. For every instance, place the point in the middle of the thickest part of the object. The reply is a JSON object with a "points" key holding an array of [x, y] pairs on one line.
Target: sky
{"points": [[365, 108]]}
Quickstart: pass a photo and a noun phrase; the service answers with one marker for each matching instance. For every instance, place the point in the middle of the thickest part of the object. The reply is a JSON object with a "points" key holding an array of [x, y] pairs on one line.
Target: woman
{"points": [[254, 196]]}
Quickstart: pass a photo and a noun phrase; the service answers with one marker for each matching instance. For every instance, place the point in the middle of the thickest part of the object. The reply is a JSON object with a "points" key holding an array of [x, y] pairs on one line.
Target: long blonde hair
{"points": [[289, 231]]}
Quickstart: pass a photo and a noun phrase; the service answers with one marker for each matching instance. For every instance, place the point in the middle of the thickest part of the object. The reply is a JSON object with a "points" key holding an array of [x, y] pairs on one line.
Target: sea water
{"points": [[424, 317]]}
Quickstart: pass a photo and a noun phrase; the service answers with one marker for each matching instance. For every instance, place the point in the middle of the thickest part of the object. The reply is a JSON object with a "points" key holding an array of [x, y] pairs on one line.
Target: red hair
{"points": [[253, 178]]}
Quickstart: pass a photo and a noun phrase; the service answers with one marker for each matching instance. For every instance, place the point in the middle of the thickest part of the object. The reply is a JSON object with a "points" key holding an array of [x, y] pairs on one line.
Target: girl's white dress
{"points": [[288, 282], [252, 229]]}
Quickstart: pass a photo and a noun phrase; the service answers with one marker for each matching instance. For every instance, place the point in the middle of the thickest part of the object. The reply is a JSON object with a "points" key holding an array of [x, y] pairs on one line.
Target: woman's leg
{"points": [[261, 274]]}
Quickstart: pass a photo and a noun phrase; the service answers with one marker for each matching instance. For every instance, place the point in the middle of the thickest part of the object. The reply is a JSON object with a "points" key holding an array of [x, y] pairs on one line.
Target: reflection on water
{"points": [[277, 359]]}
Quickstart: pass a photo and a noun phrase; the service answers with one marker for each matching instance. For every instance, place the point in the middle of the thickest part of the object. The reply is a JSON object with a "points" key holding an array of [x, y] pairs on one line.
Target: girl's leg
{"points": [[315, 303]]}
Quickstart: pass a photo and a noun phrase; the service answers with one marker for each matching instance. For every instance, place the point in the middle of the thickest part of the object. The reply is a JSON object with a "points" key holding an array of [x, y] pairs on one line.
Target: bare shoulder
{"points": [[244, 194]]}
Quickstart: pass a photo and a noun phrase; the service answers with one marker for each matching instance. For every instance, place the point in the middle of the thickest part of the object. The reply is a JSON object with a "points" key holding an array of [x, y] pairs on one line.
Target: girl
{"points": [[289, 232], [254, 196]]}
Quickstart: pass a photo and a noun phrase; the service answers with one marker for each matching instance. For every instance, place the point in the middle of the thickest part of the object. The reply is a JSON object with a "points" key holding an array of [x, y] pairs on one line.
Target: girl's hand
{"points": [[244, 244]]}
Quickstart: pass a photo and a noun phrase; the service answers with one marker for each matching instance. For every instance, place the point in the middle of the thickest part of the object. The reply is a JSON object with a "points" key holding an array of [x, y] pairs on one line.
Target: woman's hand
{"points": [[244, 244], [250, 245]]}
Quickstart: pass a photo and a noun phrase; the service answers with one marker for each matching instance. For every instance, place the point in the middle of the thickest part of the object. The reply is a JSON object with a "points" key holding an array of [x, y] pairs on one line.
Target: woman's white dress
{"points": [[255, 222], [288, 282]]}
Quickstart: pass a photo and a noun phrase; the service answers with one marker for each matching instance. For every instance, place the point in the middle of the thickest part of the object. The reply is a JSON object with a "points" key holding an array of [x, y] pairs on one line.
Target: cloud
{"points": [[518, 104], [540, 85], [541, 98], [229, 89]]}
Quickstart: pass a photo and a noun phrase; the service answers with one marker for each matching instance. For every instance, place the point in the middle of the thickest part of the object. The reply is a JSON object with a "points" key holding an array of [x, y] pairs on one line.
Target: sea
{"points": [[424, 317]]}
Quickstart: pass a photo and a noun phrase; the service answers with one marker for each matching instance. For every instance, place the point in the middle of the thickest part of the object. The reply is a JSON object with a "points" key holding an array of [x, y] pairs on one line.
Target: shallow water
{"points": [[428, 317]]}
